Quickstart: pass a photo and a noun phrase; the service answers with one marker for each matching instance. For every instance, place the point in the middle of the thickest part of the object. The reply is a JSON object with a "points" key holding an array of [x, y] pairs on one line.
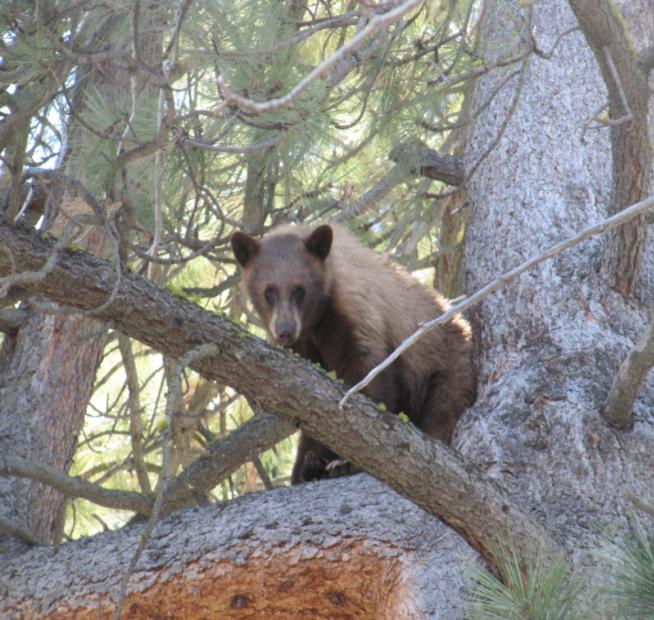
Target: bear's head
{"points": [[286, 277]]}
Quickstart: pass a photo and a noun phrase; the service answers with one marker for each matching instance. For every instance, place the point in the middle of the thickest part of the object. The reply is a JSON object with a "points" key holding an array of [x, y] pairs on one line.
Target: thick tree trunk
{"points": [[347, 548], [47, 372], [46, 379], [550, 343]]}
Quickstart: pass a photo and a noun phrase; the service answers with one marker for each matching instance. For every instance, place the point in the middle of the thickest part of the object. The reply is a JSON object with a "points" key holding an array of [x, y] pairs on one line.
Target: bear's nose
{"points": [[285, 333]]}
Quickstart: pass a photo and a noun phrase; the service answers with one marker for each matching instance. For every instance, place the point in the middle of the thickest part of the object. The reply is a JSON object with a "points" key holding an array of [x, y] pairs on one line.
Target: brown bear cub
{"points": [[335, 302]]}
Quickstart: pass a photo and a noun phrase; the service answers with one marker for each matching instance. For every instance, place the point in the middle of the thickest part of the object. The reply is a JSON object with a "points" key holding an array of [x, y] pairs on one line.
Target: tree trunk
{"points": [[550, 343], [46, 378], [347, 548]]}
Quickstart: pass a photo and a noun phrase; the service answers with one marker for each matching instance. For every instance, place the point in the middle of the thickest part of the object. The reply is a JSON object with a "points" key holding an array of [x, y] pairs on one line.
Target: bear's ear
{"points": [[319, 242], [245, 248]]}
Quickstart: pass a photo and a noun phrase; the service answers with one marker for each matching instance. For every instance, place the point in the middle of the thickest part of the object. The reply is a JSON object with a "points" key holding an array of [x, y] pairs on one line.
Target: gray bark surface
{"points": [[348, 548], [46, 379], [550, 343]]}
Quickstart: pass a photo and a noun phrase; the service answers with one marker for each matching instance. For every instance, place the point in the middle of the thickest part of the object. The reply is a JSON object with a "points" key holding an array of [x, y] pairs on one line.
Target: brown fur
{"points": [[356, 309]]}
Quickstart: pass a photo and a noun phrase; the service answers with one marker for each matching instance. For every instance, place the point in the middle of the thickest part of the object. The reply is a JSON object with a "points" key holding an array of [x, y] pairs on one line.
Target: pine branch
{"points": [[378, 22]]}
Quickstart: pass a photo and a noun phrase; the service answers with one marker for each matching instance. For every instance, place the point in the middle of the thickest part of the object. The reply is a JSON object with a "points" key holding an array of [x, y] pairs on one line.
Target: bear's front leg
{"points": [[311, 461], [338, 468]]}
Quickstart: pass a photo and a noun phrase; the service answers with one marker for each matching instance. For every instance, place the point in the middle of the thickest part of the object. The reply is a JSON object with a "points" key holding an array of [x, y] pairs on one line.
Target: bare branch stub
{"points": [[617, 411], [421, 160], [646, 59]]}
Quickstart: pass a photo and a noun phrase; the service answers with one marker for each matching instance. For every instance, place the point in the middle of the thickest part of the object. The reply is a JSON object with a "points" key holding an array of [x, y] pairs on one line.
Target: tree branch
{"points": [[7, 526], [224, 457], [425, 471], [73, 486], [12, 318], [378, 22], [646, 60], [135, 411], [639, 503], [627, 383], [424, 161]]}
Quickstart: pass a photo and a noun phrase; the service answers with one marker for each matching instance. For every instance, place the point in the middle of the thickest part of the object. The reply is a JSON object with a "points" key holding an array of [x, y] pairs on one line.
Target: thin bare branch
{"points": [[639, 503], [263, 474], [73, 486], [628, 114], [135, 411], [608, 224], [225, 148], [322, 70]]}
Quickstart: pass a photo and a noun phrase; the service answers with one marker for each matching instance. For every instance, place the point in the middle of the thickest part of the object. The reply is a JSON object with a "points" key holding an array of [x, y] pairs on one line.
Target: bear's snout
{"points": [[285, 333]]}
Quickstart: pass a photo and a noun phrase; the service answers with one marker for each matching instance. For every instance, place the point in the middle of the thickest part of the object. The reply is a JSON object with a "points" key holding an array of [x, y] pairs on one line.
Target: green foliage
{"points": [[629, 588], [538, 591]]}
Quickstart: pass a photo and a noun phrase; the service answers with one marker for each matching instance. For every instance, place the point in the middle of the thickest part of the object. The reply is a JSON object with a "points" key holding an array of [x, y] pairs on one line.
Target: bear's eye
{"points": [[271, 295], [298, 294]]}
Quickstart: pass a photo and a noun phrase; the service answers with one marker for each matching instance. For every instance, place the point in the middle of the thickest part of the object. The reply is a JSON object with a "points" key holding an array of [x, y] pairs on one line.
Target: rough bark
{"points": [[427, 471], [46, 379], [550, 343], [628, 94], [346, 548]]}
